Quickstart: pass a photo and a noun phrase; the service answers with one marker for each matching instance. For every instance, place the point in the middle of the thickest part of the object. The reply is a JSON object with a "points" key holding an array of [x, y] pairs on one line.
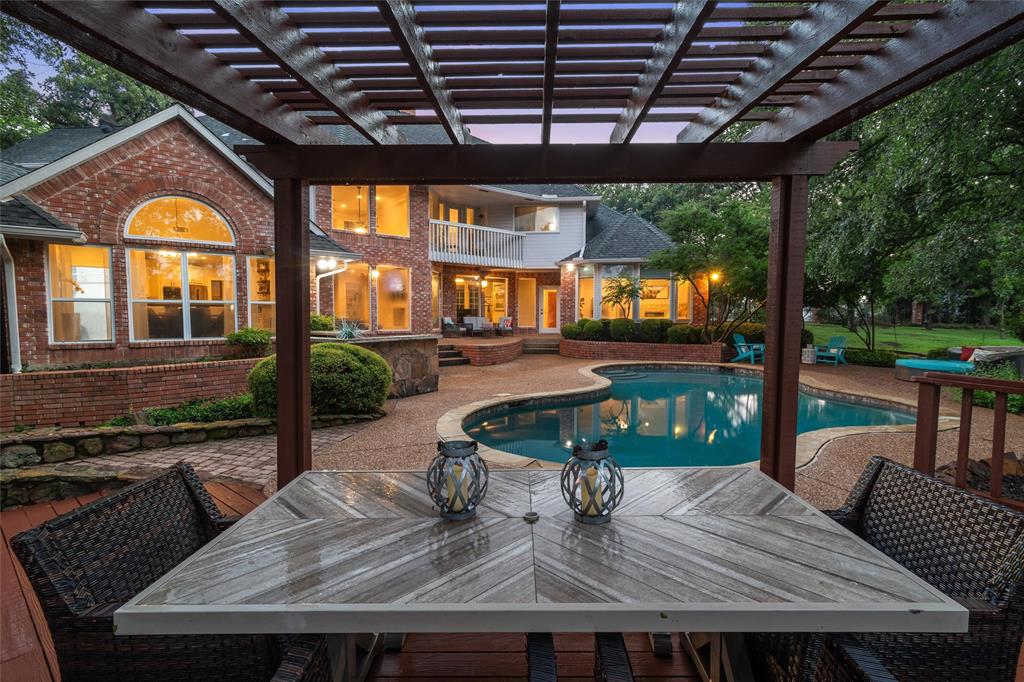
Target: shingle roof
{"points": [[54, 144], [9, 171], [319, 244], [24, 216], [549, 190], [614, 235]]}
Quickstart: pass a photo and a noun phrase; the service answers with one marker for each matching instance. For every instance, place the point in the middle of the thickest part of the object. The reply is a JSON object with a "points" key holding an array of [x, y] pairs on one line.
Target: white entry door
{"points": [[549, 310]]}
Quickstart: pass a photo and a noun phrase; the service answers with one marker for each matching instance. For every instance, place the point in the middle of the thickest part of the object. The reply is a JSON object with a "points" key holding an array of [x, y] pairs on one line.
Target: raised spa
{"points": [[663, 418]]}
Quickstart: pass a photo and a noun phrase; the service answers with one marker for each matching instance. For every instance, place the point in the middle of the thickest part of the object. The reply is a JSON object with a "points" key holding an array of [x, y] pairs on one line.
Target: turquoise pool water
{"points": [[665, 418]]}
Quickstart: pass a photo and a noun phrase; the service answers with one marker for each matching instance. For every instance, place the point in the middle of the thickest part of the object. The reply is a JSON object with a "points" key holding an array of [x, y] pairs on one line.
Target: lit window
{"points": [[435, 300], [179, 295], [495, 298], [536, 218], [262, 294], [179, 219], [80, 293], [684, 294], [610, 274], [526, 293], [586, 292], [392, 210], [654, 298], [352, 294], [393, 298], [350, 208]]}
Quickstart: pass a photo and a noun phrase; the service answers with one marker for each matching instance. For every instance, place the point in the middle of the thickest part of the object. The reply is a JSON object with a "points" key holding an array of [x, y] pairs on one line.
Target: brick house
{"points": [[155, 240]]}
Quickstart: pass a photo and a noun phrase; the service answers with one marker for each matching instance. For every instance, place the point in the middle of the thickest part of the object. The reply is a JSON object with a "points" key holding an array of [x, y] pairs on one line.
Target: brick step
{"points": [[449, 353], [450, 362], [540, 350], [445, 346]]}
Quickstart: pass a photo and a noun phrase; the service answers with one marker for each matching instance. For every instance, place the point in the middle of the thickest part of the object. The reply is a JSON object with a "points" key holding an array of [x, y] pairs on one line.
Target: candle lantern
{"points": [[592, 483], [457, 479]]}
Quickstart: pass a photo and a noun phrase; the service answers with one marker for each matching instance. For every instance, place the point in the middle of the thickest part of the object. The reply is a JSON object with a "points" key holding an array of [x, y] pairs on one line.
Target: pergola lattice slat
{"points": [[109, 31], [678, 35], [964, 33], [400, 16], [803, 44], [268, 26], [551, 18]]}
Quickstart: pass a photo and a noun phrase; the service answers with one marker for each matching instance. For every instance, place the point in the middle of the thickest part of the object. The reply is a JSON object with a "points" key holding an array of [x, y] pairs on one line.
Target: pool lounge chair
{"points": [[908, 368], [747, 351], [832, 353]]}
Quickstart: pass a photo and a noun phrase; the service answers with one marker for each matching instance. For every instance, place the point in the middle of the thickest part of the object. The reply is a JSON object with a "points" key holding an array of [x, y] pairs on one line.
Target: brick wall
{"points": [[93, 396], [611, 350], [496, 353], [448, 288]]}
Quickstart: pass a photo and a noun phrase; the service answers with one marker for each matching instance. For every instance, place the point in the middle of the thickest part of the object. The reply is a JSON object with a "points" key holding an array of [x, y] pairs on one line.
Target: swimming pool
{"points": [[663, 418]]}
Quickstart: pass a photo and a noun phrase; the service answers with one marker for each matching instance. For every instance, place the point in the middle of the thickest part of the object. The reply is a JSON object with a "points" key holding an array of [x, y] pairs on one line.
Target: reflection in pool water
{"points": [[665, 418]]}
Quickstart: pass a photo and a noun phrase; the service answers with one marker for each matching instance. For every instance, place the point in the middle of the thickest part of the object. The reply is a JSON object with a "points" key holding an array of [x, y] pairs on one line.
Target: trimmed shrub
{"points": [[321, 323], [592, 331], [651, 331], [622, 329], [570, 330], [252, 341], [996, 370], [684, 333], [582, 322], [870, 358], [346, 379], [806, 338], [1015, 325], [203, 411], [938, 354]]}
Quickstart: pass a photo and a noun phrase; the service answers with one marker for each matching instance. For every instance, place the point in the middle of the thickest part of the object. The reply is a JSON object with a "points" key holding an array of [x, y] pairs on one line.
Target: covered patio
{"points": [[774, 79]]}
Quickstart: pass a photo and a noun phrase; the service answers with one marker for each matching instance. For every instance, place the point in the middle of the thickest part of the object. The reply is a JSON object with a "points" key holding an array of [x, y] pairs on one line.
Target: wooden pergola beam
{"points": [[824, 25], [400, 16], [578, 163], [270, 27], [125, 36], [688, 17], [551, 15], [961, 35]]}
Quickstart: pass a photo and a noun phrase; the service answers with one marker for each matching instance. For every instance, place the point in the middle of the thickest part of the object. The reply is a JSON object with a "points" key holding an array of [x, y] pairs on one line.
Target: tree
{"points": [[18, 106], [19, 42], [621, 292], [731, 240]]}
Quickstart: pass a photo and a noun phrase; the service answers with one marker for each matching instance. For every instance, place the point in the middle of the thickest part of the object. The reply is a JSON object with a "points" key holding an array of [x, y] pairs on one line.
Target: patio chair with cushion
{"points": [[85, 564], [451, 328], [747, 351], [832, 353], [967, 546], [611, 658]]}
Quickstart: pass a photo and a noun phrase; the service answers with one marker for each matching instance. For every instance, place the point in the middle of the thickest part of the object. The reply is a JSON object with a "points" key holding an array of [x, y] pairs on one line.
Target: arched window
{"points": [[179, 219]]}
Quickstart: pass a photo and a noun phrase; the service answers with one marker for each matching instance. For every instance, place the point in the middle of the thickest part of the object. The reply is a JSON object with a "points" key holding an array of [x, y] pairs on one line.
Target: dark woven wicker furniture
{"points": [[611, 659], [85, 564], [969, 547]]}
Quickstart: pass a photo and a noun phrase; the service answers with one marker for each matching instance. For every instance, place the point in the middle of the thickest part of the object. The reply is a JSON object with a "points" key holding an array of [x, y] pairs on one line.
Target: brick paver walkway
{"points": [[252, 461]]}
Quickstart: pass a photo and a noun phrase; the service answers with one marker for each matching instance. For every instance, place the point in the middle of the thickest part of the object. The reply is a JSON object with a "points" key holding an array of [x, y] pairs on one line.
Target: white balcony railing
{"points": [[475, 245]]}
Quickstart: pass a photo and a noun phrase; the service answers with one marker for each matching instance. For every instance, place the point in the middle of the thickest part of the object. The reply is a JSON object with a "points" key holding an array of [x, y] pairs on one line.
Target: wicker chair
{"points": [[969, 547], [85, 564], [611, 659]]}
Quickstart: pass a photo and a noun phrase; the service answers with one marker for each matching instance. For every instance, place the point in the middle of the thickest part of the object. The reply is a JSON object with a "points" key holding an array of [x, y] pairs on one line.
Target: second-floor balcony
{"points": [[475, 245]]}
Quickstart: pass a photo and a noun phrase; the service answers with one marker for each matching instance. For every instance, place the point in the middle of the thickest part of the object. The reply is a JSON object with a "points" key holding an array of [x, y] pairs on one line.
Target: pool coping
{"points": [[808, 445]]}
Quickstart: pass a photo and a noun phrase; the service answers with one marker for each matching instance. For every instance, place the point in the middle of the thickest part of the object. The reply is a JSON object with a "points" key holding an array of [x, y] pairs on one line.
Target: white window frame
{"points": [[558, 218], [171, 240], [248, 287], [50, 300], [185, 301], [408, 215], [375, 312]]}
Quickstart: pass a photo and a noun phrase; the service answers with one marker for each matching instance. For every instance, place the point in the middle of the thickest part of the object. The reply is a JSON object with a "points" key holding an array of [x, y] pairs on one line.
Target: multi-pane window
{"points": [[80, 293], [393, 298], [392, 203], [655, 296], [352, 294], [262, 294], [179, 295], [536, 218], [179, 219], [350, 208], [586, 292], [684, 294], [610, 275]]}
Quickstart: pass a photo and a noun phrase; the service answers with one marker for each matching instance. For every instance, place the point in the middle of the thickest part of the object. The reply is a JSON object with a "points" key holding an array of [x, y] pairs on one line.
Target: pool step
{"points": [[625, 375]]}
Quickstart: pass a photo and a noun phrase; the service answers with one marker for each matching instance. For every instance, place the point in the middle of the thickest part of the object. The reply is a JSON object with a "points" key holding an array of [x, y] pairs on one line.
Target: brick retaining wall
{"points": [[491, 353], [92, 396], [612, 350]]}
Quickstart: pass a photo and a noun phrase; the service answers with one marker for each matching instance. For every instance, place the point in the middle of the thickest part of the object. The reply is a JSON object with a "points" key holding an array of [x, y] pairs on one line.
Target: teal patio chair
{"points": [[747, 351], [832, 353]]}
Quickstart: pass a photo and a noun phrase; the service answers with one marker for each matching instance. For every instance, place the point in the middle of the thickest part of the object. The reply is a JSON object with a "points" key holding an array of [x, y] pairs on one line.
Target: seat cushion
{"points": [[953, 366]]}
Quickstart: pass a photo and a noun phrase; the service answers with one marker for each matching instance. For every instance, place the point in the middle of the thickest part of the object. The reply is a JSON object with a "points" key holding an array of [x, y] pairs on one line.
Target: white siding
{"points": [[544, 250]]}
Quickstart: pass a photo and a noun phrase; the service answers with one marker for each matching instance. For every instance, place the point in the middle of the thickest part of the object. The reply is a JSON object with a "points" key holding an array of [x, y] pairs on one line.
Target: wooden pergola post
{"points": [[291, 239], [787, 244]]}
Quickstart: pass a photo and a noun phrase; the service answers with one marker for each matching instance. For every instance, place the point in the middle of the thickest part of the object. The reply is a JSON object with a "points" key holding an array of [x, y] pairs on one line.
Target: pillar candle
{"points": [[455, 503], [597, 485]]}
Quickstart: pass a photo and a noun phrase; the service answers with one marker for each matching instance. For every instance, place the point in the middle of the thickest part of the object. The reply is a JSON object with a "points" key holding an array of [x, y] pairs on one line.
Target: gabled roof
{"points": [[20, 217], [54, 144], [9, 171], [616, 236]]}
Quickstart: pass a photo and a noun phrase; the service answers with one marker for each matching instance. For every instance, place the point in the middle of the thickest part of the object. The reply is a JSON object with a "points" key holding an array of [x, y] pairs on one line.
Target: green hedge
{"points": [[321, 323], [593, 331], [235, 407], [570, 330], [870, 358], [253, 342], [622, 330], [999, 370], [938, 354], [346, 379], [684, 333]]}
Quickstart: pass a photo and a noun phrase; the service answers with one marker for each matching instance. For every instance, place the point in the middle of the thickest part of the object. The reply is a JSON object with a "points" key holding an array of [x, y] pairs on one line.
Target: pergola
{"points": [[282, 71]]}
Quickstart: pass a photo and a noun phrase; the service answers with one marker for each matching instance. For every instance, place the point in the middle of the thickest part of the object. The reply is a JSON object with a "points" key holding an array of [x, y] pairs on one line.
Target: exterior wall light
{"points": [[375, 273], [570, 267], [715, 276], [327, 264], [483, 283]]}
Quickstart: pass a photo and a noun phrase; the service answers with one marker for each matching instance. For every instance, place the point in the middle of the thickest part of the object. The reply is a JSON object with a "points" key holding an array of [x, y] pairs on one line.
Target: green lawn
{"points": [[915, 339]]}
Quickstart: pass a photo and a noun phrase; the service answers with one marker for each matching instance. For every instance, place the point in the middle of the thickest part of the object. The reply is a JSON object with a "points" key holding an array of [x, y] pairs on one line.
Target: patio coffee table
{"points": [[706, 549]]}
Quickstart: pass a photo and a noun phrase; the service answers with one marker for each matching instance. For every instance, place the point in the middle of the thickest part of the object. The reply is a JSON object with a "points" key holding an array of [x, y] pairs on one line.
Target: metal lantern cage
{"points": [[592, 483], [457, 479]]}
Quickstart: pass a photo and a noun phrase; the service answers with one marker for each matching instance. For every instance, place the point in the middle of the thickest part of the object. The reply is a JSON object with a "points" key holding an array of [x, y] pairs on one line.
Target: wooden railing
{"points": [[930, 387], [475, 245]]}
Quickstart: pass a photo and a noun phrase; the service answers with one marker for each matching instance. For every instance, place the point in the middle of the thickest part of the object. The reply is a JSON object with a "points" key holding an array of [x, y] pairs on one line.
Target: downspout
{"points": [[12, 306], [316, 282]]}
